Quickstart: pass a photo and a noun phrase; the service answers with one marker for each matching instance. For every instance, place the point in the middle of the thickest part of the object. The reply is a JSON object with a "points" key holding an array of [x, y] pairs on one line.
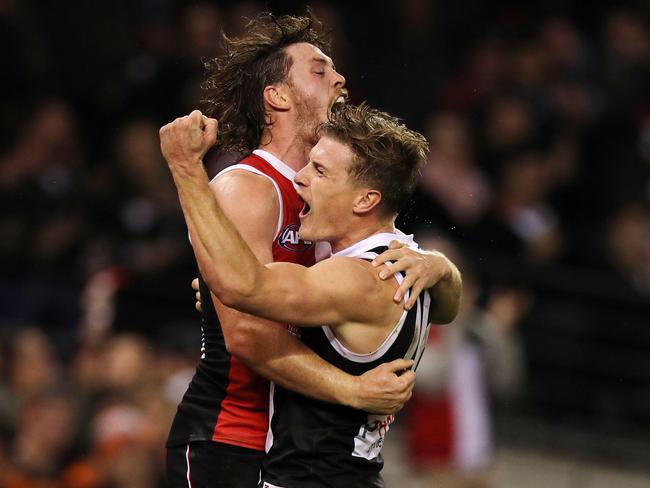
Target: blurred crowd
{"points": [[538, 117]]}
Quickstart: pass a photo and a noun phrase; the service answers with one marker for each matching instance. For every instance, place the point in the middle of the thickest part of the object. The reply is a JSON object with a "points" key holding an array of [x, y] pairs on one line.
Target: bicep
{"points": [[331, 292]]}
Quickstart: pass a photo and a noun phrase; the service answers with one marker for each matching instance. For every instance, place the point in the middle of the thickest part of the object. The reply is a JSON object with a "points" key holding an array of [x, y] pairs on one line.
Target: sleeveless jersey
{"points": [[314, 444], [226, 401]]}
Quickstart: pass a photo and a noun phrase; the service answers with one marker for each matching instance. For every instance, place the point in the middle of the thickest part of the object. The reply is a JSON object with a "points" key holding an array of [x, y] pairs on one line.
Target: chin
{"points": [[306, 235]]}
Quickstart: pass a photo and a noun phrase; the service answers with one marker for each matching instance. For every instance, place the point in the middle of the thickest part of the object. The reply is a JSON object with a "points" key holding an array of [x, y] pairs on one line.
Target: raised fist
{"points": [[186, 140]]}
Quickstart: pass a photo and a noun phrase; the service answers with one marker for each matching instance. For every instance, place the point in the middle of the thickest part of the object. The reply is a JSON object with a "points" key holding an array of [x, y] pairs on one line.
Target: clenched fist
{"points": [[186, 140]]}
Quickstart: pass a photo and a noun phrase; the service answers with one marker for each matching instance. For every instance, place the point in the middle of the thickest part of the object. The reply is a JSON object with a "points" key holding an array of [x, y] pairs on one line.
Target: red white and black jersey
{"points": [[226, 401], [314, 444]]}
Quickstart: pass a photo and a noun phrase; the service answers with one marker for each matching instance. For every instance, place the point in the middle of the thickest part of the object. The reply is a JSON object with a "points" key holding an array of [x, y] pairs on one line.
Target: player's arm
{"points": [[267, 347], [430, 270], [328, 293], [272, 352]]}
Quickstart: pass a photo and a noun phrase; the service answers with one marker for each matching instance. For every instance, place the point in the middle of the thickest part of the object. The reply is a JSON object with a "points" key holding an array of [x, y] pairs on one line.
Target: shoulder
{"points": [[251, 201], [353, 287], [240, 183], [349, 272]]}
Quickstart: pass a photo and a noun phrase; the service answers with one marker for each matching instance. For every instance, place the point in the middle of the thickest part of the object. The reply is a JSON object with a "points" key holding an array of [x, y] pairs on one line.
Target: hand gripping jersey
{"points": [[314, 444], [226, 401]]}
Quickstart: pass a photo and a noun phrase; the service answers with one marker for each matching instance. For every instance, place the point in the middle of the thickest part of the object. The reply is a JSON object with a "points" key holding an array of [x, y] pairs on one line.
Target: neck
{"points": [[287, 145], [359, 232]]}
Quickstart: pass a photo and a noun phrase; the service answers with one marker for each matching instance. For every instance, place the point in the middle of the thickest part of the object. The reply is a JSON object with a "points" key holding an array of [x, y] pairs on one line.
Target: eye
{"points": [[319, 73]]}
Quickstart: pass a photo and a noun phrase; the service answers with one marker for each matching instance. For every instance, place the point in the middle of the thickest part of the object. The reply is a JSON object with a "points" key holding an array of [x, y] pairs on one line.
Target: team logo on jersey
{"points": [[370, 439], [290, 239]]}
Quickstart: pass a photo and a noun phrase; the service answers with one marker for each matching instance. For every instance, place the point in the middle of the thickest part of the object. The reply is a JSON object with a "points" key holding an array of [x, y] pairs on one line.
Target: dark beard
{"points": [[307, 121]]}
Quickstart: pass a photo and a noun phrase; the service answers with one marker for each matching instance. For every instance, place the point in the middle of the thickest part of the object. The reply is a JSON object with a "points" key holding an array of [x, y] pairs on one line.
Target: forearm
{"points": [[446, 294], [285, 360], [288, 362], [225, 260], [274, 353], [270, 350]]}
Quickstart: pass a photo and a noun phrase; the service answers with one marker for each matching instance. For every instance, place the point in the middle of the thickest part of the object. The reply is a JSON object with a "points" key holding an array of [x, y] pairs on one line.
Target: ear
{"points": [[276, 97], [366, 201]]}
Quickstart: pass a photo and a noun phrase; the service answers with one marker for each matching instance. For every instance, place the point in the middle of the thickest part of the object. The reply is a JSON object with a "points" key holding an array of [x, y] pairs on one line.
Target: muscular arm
{"points": [[272, 352], [327, 293]]}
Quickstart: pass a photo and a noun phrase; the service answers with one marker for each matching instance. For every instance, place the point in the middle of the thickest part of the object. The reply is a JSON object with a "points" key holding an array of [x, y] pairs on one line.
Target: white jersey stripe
{"points": [[376, 240], [187, 460], [415, 342], [283, 168], [424, 331], [368, 357], [269, 433]]}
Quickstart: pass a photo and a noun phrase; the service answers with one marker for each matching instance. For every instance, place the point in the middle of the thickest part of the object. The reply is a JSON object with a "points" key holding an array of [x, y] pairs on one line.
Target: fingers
{"points": [[404, 286], [407, 381], [395, 244], [210, 129], [399, 365], [385, 271], [390, 255], [415, 293], [408, 378], [389, 264], [399, 262], [210, 124], [196, 119], [197, 295], [199, 121]]}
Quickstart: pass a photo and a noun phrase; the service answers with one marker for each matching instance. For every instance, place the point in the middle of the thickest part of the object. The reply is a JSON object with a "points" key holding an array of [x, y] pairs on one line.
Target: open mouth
{"points": [[305, 210], [338, 103]]}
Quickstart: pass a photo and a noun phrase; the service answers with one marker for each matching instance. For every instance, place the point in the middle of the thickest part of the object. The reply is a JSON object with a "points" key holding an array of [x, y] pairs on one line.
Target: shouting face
{"points": [[315, 88], [329, 192]]}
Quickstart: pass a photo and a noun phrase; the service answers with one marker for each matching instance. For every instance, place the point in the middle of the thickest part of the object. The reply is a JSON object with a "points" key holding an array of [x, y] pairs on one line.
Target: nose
{"points": [[339, 80], [300, 178]]}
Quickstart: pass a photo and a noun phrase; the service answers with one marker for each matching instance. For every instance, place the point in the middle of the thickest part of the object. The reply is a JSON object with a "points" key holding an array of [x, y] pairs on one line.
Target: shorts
{"points": [[213, 464]]}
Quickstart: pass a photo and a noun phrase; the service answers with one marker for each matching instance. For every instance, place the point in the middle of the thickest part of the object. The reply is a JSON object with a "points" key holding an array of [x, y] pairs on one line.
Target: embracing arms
{"points": [[267, 347], [285, 292]]}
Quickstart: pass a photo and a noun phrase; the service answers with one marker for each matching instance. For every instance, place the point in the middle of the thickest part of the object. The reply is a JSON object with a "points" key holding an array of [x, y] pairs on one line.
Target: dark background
{"points": [[538, 116]]}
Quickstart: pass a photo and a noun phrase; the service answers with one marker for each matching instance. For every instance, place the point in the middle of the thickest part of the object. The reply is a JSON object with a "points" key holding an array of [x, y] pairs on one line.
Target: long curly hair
{"points": [[234, 87]]}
